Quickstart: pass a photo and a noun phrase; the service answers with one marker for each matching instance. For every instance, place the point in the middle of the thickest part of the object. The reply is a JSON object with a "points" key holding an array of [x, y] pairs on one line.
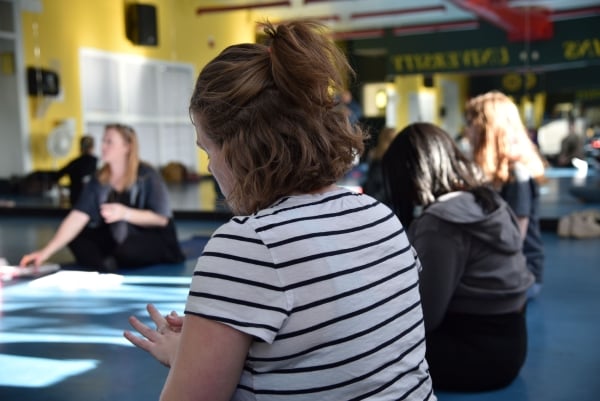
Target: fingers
{"points": [[112, 212], [152, 309], [150, 336], [32, 258], [137, 341], [24, 261], [160, 343], [143, 329], [174, 321], [155, 315]]}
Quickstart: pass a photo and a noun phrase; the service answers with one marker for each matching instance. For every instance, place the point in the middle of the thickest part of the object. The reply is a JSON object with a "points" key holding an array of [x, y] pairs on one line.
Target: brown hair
{"points": [[133, 160], [272, 110], [499, 138]]}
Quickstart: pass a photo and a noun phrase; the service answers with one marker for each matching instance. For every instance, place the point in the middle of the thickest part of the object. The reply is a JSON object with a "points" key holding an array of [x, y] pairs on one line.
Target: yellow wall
{"points": [[52, 39], [407, 84]]}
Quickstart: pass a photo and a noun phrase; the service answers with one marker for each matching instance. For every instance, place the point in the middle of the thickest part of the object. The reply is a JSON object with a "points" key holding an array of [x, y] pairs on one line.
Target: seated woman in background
{"points": [[122, 218], [511, 162], [474, 279]]}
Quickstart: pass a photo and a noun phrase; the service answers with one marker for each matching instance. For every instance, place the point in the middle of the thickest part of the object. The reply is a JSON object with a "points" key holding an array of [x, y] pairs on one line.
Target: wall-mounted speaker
{"points": [[42, 82], [140, 24]]}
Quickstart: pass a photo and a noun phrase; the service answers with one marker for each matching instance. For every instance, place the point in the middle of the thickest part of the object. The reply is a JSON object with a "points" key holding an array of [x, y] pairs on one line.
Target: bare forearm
{"points": [[208, 362], [70, 227], [113, 212], [147, 218]]}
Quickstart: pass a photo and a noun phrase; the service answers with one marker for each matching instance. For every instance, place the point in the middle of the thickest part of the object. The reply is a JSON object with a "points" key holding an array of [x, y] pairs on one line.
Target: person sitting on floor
{"points": [[512, 163], [122, 218], [474, 278], [80, 169], [310, 292]]}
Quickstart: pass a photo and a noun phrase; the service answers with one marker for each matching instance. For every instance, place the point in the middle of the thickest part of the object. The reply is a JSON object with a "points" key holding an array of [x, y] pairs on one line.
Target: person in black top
{"points": [[80, 169], [122, 218]]}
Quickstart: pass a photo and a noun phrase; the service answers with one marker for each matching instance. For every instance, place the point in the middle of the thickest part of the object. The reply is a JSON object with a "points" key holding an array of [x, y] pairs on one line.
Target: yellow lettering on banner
{"points": [[581, 49], [451, 60], [440, 61], [504, 56], [584, 49], [487, 57], [569, 50], [512, 82], [420, 61], [587, 94], [468, 58], [530, 80], [402, 63]]}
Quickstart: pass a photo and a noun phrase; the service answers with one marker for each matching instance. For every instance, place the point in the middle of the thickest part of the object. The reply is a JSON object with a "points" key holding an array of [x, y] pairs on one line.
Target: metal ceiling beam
{"points": [[216, 9], [521, 24]]}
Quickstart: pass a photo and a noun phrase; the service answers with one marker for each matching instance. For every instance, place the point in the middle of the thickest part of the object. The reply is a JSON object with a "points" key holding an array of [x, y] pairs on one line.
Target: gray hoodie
{"points": [[471, 261]]}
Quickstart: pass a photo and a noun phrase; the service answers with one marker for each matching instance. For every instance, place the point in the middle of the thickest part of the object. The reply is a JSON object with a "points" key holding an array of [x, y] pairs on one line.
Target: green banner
{"points": [[487, 49], [452, 60]]}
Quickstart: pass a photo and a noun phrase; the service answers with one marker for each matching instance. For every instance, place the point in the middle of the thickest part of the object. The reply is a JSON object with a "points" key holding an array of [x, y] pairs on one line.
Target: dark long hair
{"points": [[424, 163]]}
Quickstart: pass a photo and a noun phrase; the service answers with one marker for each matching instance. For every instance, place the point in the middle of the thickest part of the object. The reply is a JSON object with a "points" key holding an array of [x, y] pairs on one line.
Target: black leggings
{"points": [[95, 248], [475, 352]]}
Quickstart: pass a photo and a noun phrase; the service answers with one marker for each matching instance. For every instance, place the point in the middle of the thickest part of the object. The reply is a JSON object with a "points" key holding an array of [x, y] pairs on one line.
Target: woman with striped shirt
{"points": [[311, 291]]}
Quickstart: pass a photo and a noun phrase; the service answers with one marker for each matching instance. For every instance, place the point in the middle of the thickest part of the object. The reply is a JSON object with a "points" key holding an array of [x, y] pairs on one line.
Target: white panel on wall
{"points": [[150, 95], [179, 145], [176, 90], [421, 107], [140, 88], [148, 138], [100, 83], [452, 119]]}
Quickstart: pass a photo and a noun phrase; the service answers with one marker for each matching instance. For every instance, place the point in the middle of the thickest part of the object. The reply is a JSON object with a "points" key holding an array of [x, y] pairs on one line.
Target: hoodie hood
{"points": [[499, 228]]}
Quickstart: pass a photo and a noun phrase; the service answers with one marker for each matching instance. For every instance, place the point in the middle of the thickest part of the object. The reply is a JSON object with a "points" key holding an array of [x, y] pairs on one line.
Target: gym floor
{"points": [[61, 335]]}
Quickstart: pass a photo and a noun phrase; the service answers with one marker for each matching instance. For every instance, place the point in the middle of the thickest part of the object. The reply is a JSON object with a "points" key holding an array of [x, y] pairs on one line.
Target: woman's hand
{"points": [[34, 258], [160, 343], [70, 228], [113, 212]]}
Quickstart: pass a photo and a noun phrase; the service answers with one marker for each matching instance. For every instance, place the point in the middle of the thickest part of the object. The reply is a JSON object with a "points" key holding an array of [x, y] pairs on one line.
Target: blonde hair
{"points": [[272, 110], [499, 138], [133, 159]]}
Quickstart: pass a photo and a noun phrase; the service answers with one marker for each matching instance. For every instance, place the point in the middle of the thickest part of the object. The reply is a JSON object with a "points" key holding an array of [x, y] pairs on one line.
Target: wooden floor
{"points": [[61, 335]]}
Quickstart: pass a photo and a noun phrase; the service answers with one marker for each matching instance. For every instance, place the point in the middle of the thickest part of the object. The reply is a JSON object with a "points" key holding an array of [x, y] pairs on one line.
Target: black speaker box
{"points": [[42, 82], [140, 24]]}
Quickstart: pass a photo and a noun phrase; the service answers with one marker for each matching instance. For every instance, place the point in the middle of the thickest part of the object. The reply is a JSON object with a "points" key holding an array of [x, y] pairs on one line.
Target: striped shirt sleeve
{"points": [[235, 282]]}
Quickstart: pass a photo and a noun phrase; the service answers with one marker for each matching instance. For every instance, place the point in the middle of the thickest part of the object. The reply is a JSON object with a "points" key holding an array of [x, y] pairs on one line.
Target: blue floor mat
{"points": [[192, 247]]}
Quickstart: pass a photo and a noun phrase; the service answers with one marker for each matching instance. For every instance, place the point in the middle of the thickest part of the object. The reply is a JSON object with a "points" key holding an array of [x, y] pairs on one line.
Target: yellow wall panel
{"points": [[52, 39]]}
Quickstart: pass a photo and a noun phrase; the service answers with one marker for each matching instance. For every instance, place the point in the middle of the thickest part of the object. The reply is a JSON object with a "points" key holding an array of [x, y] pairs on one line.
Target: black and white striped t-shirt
{"points": [[328, 286]]}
